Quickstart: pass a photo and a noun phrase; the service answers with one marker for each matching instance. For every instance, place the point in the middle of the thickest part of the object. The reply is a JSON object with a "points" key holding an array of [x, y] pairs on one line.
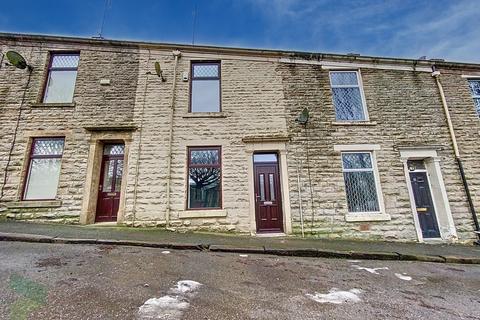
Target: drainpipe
{"points": [[177, 55], [436, 75]]}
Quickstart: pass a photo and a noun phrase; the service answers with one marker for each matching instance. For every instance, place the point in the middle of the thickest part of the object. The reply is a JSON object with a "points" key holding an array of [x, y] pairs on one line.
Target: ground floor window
{"points": [[360, 182], [43, 169], [204, 177]]}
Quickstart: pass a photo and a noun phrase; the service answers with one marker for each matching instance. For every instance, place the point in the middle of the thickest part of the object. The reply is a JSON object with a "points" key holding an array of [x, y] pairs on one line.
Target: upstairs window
{"points": [[475, 89], [61, 78], [205, 89], [347, 96], [360, 182], [43, 169], [204, 177]]}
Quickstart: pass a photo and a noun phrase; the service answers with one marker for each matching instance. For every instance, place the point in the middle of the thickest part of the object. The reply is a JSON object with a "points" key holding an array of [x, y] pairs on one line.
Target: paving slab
{"points": [[282, 246]]}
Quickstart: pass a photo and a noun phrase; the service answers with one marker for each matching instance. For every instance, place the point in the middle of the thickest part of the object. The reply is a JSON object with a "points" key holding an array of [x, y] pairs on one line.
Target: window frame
{"points": [[31, 156], [189, 165], [376, 177], [474, 97], [52, 54], [219, 78], [359, 86]]}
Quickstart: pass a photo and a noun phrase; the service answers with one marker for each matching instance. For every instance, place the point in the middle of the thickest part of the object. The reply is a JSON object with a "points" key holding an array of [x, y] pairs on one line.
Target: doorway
{"points": [[423, 199], [268, 199], [110, 182]]}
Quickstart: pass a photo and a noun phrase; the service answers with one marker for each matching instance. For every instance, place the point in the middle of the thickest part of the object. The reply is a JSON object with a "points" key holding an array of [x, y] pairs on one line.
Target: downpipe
{"points": [[177, 55], [436, 75]]}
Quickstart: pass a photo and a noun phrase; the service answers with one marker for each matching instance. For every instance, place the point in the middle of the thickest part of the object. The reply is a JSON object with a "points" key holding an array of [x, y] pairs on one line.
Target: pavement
{"points": [[85, 281], [214, 242]]}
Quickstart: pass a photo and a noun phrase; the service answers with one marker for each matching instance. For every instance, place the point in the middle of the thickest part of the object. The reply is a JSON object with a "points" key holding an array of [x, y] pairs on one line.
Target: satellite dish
{"points": [[303, 117], [17, 60], [159, 70]]}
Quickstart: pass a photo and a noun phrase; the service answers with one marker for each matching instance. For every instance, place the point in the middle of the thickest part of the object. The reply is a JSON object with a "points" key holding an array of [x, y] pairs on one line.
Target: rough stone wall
{"points": [[251, 98], [466, 124], [95, 106], [259, 98], [405, 110]]}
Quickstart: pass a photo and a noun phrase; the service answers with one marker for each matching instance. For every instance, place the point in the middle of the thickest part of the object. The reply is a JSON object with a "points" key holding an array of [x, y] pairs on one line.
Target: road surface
{"points": [[56, 281]]}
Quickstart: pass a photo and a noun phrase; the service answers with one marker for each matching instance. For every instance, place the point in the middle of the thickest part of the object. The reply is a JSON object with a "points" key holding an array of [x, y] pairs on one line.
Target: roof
{"points": [[318, 56]]}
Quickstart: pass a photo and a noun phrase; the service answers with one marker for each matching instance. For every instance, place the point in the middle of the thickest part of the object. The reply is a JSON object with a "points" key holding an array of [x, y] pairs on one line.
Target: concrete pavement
{"points": [[151, 237]]}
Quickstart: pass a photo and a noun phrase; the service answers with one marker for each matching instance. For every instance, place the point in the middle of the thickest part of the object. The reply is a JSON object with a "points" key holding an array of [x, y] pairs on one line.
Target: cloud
{"points": [[440, 29]]}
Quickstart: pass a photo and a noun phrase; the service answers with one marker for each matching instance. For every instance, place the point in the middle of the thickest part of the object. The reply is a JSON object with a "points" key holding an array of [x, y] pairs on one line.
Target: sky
{"points": [[442, 29]]}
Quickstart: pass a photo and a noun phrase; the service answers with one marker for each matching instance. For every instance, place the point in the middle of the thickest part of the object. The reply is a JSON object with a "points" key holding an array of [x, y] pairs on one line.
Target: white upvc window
{"points": [[361, 182], [61, 77], [44, 168], [475, 90], [348, 97]]}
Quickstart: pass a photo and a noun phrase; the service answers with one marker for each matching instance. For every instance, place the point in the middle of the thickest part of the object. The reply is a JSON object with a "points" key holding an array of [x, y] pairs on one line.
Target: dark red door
{"points": [[424, 204], [268, 201], [110, 183]]}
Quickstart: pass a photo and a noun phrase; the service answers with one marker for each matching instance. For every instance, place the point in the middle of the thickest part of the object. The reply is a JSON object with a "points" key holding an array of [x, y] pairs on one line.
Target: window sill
{"points": [[35, 204], [218, 213], [53, 105], [354, 123], [363, 217], [205, 115]]}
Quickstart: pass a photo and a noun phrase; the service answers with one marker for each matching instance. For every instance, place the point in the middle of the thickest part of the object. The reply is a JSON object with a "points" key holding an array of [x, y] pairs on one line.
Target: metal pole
{"points": [[176, 54], [300, 198], [15, 131], [139, 149]]}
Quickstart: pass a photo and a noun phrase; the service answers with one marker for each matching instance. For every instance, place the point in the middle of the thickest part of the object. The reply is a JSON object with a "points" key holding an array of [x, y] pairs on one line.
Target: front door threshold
{"points": [[434, 240], [104, 224], [270, 234]]}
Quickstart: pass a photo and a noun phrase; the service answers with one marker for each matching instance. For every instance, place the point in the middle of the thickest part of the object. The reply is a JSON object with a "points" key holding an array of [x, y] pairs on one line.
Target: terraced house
{"points": [[227, 139]]}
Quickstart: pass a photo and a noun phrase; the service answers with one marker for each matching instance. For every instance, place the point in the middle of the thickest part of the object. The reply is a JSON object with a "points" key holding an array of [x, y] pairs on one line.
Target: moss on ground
{"points": [[32, 296]]}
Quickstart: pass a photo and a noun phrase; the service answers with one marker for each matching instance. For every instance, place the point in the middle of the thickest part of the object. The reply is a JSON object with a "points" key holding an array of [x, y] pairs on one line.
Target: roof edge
{"points": [[271, 53]]}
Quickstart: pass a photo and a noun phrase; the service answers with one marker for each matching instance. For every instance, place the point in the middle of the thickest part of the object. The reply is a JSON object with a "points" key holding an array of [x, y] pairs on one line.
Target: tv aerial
{"points": [[18, 61]]}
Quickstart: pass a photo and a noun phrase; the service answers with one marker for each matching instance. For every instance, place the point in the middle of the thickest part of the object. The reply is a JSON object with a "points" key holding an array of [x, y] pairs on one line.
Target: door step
{"points": [[104, 224], [270, 234]]}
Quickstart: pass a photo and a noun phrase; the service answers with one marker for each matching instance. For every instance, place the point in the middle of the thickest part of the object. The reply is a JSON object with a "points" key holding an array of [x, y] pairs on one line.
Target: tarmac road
{"points": [[58, 281]]}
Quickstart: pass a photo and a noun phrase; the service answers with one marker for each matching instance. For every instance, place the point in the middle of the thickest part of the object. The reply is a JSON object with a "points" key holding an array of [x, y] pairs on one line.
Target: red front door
{"points": [[110, 183], [268, 201]]}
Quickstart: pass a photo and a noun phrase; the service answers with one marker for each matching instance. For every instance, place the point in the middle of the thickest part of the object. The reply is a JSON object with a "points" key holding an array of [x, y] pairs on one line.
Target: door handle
{"points": [[256, 197], [422, 209]]}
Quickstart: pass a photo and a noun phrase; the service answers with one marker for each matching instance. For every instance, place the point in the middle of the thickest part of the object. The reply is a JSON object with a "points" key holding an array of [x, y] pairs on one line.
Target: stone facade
{"points": [[466, 124], [400, 106], [95, 106], [262, 94]]}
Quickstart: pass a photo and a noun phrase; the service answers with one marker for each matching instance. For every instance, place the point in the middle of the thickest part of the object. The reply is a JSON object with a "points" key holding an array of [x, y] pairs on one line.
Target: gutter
{"points": [[270, 53], [436, 75], [177, 55]]}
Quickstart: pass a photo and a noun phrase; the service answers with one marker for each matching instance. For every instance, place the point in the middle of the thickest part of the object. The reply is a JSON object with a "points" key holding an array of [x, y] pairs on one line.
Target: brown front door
{"points": [[268, 201], [110, 183]]}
